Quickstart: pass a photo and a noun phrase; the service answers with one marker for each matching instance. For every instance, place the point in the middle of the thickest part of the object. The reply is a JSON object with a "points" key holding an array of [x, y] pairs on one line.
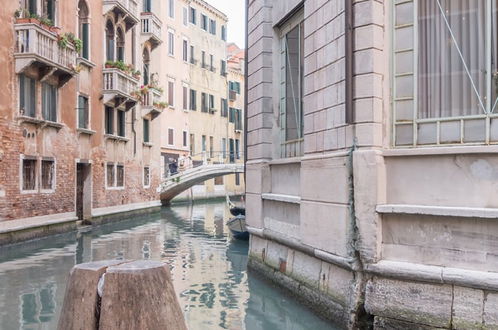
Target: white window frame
{"points": [[167, 138], [187, 136], [206, 27], [171, 105], [143, 176], [405, 118], [21, 176], [185, 54], [185, 17], [186, 107], [171, 9], [171, 42]]}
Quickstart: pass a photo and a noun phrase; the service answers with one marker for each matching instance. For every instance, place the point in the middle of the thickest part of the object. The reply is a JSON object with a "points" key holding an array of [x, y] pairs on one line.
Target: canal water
{"points": [[209, 272]]}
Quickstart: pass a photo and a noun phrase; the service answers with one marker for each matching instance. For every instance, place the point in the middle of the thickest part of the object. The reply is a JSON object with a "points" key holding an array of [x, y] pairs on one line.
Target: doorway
{"points": [[83, 191]]}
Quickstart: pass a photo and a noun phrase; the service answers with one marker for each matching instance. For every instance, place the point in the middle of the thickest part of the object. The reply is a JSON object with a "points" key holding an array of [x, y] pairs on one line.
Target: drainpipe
{"points": [[246, 66], [133, 117], [349, 44]]}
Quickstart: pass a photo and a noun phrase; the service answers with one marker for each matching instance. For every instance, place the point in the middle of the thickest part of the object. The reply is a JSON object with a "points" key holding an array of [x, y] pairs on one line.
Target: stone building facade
{"points": [[371, 158]]}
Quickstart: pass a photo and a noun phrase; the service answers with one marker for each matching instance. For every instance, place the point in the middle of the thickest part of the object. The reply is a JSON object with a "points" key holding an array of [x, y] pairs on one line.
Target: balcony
{"points": [[119, 88], [127, 9], [38, 48], [151, 29], [151, 103]]}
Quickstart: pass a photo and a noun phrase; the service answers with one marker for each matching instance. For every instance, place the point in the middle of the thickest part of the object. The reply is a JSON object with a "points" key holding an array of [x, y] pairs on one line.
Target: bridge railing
{"points": [[191, 162]]}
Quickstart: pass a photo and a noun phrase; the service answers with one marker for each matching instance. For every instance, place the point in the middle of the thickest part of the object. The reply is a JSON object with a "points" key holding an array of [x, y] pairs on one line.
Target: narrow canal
{"points": [[208, 269]]}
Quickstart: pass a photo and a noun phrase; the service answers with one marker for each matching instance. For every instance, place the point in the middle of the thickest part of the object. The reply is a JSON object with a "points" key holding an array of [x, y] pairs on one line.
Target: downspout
{"points": [[360, 318], [246, 66]]}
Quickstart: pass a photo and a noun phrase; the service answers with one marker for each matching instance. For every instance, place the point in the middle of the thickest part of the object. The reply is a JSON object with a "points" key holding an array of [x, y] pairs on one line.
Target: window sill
{"points": [[83, 61], [30, 120], [29, 192], [116, 137], [47, 191], [148, 144], [281, 198], [114, 188], [53, 124], [85, 131]]}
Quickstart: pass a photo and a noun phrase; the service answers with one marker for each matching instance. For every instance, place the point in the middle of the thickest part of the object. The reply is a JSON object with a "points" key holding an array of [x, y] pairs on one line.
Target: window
{"points": [[223, 33], [291, 81], [223, 67], [193, 16], [185, 16], [218, 181], [27, 96], [49, 102], [171, 43], [109, 41], [234, 86], [84, 28], [146, 176], [185, 50], [193, 100], [185, 98], [204, 22], [212, 26], [110, 174], [445, 66], [171, 92], [83, 112], [146, 66], [109, 120], [238, 119], [211, 102], [28, 174], [185, 139], [192, 144], [231, 117], [119, 175], [237, 179], [203, 59], [211, 62], [171, 8], [204, 102], [224, 147], [224, 107], [146, 130], [121, 123], [171, 135], [47, 174], [120, 45], [203, 143], [30, 5], [147, 6], [192, 55], [237, 148], [48, 10]]}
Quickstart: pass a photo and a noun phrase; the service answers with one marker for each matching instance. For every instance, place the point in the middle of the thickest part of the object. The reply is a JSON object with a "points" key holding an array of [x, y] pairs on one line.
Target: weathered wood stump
{"points": [[135, 295]]}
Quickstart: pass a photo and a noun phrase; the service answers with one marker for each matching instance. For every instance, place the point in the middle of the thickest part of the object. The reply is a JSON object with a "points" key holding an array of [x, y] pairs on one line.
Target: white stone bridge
{"points": [[178, 183]]}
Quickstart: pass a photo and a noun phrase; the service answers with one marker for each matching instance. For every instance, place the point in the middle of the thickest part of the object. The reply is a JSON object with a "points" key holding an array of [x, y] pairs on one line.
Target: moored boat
{"points": [[237, 226]]}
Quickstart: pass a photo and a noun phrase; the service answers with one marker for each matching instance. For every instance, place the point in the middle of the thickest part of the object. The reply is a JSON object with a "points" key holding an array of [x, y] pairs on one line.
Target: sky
{"points": [[235, 10]]}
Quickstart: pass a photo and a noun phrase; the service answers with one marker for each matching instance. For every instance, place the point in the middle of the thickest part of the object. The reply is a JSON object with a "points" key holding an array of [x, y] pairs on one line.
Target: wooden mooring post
{"points": [[119, 294]]}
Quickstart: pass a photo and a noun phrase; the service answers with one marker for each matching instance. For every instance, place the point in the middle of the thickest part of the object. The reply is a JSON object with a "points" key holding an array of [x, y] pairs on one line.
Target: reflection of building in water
{"points": [[210, 280], [32, 289]]}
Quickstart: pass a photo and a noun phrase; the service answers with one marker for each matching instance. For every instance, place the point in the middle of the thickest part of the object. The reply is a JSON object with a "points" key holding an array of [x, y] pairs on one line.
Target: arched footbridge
{"points": [[178, 183]]}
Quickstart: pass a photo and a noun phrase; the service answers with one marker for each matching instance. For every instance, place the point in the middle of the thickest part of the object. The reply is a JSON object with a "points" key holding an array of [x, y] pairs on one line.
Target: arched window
{"points": [[84, 28], [109, 41], [146, 69], [120, 44]]}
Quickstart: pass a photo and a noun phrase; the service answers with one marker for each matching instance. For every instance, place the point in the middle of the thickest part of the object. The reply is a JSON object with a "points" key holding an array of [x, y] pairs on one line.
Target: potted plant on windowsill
{"points": [[23, 16], [69, 38], [160, 105]]}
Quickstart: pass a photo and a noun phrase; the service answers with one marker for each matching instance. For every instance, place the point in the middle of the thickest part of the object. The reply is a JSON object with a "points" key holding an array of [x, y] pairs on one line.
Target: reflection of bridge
{"points": [[178, 183]]}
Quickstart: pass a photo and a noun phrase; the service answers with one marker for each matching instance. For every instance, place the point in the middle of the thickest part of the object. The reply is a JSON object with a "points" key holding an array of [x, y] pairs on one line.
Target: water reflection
{"points": [[208, 270]]}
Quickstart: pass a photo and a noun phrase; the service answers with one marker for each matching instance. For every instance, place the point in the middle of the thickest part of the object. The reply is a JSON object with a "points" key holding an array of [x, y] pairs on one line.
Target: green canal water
{"points": [[209, 272]]}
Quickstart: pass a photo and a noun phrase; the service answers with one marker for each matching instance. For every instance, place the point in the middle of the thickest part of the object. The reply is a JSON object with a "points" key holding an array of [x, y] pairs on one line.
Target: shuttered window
{"points": [[185, 98], [49, 102], [109, 120], [83, 112], [146, 130], [171, 91], [193, 100], [171, 136], [121, 123]]}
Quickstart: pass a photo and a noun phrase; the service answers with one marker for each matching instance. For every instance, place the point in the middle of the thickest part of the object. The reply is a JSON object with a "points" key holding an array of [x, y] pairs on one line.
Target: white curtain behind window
{"points": [[444, 86]]}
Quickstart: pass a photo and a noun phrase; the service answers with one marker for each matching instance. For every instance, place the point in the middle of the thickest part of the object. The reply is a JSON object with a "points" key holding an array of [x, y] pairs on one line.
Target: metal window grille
{"points": [[146, 176], [119, 176], [47, 176], [110, 175], [29, 174]]}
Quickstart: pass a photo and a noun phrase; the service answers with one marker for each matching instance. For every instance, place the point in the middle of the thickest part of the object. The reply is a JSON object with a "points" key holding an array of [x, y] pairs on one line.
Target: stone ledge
{"points": [[103, 211], [445, 211], [434, 274], [437, 151], [281, 198], [9, 226]]}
